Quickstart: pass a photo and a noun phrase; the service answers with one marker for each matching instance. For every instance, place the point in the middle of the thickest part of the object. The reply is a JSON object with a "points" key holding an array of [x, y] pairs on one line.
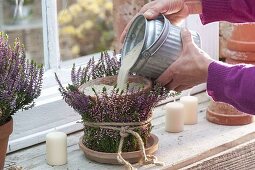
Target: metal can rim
{"points": [[132, 27]]}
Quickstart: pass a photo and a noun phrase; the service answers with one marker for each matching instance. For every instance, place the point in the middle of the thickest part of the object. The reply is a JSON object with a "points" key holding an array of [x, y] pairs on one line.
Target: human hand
{"points": [[190, 69], [174, 10]]}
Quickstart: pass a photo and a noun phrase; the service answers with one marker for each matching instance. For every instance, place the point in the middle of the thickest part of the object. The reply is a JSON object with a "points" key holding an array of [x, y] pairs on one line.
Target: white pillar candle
{"points": [[174, 117], [190, 109], [56, 148]]}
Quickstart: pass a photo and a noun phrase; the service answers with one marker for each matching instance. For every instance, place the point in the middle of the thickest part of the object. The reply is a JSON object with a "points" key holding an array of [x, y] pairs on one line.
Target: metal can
{"points": [[162, 45]]}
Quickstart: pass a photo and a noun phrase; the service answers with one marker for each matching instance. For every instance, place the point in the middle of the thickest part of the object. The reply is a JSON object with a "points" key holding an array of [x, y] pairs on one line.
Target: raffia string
{"points": [[125, 130]]}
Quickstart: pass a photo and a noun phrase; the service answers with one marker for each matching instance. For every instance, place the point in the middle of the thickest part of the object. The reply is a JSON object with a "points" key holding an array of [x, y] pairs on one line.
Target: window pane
{"points": [[85, 27], [24, 21]]}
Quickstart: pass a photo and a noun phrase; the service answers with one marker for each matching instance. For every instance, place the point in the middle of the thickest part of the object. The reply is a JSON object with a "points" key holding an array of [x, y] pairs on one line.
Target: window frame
{"points": [[53, 64], [50, 34]]}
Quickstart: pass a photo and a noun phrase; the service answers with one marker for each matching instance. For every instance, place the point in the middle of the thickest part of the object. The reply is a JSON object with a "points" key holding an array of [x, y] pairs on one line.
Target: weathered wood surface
{"points": [[173, 147], [200, 160], [240, 157]]}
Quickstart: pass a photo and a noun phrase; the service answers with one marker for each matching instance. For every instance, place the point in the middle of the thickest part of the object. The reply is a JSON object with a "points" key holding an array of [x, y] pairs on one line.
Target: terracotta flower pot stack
{"points": [[240, 48], [5, 131], [241, 45]]}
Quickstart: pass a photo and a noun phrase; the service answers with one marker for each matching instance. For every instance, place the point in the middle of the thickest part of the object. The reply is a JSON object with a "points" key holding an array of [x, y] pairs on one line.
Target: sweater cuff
{"points": [[215, 10], [217, 74]]}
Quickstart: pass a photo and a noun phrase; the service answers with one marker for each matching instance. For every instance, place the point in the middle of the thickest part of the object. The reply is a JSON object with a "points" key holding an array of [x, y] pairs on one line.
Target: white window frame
{"points": [[50, 34], [53, 64]]}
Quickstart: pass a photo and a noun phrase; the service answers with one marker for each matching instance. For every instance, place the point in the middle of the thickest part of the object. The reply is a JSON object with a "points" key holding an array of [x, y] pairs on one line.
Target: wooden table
{"points": [[177, 150]]}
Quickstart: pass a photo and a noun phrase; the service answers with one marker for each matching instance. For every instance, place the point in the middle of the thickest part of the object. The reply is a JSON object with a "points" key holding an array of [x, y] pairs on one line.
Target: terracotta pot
{"points": [[5, 131], [225, 114], [242, 38], [111, 158], [241, 44]]}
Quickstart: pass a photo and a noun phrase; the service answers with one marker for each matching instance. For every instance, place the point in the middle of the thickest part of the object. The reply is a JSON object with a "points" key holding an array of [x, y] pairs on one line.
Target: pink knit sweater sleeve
{"points": [[237, 11], [233, 84]]}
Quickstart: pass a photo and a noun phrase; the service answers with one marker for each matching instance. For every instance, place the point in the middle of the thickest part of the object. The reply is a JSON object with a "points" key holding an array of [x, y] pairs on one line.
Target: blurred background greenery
{"points": [[85, 27]]}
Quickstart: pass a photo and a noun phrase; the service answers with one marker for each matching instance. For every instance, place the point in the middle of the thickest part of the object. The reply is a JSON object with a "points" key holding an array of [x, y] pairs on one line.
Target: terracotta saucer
{"points": [[111, 158], [225, 114]]}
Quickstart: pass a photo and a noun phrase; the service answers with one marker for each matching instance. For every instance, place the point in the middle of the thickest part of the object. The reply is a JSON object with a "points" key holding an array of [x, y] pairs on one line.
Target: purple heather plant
{"points": [[116, 106], [20, 79], [113, 106]]}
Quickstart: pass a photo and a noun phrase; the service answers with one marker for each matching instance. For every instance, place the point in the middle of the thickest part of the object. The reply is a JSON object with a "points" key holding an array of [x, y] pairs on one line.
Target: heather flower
{"points": [[113, 106], [20, 79]]}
